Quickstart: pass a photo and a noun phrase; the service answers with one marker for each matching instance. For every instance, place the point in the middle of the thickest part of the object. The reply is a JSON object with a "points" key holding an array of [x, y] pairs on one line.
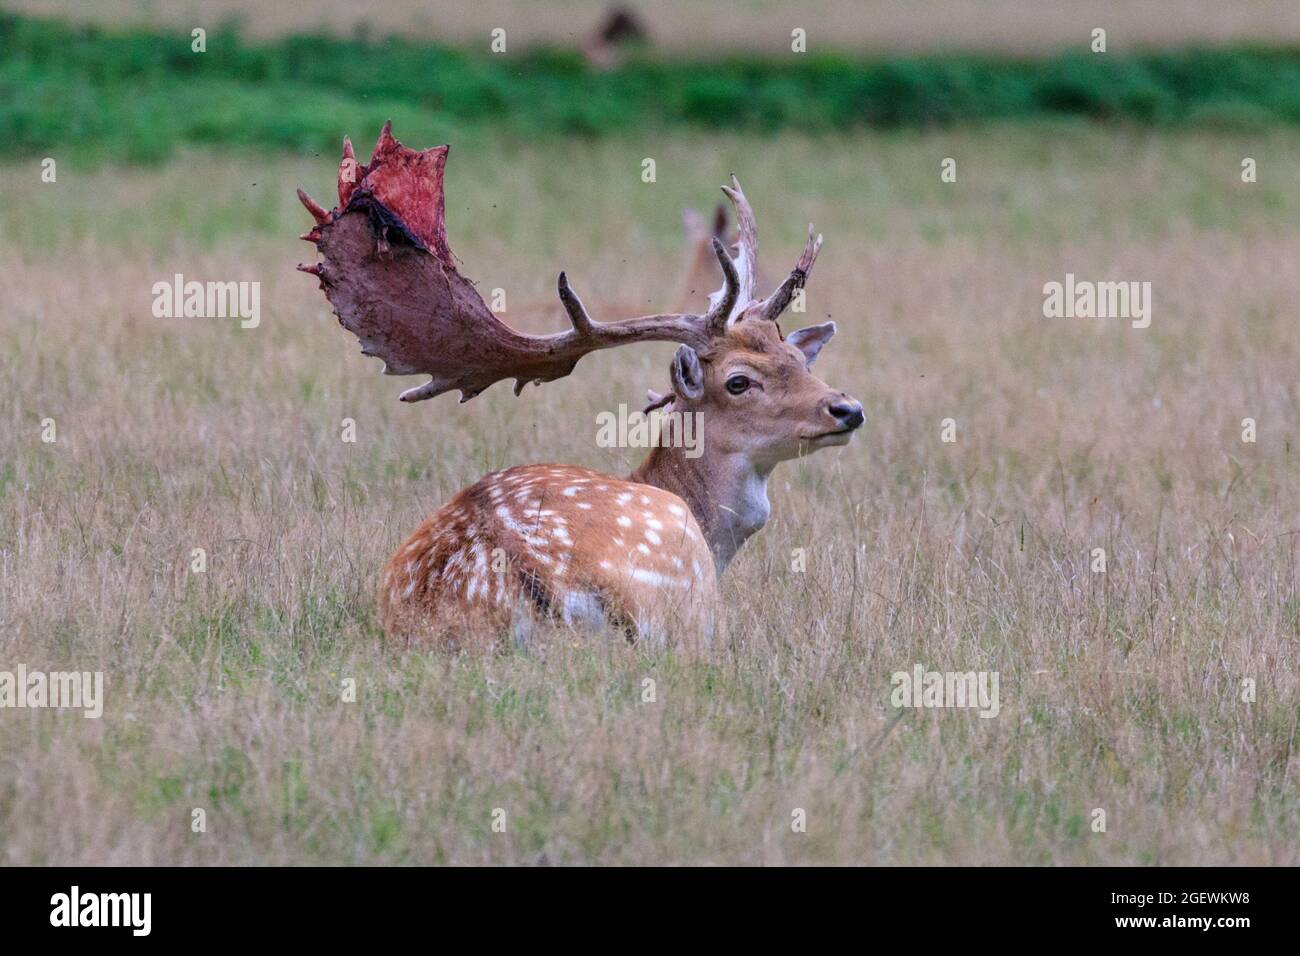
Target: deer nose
{"points": [[848, 413]]}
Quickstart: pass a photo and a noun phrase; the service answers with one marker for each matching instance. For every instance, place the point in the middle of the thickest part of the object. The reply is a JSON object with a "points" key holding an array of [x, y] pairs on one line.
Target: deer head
{"points": [[753, 387], [389, 273]]}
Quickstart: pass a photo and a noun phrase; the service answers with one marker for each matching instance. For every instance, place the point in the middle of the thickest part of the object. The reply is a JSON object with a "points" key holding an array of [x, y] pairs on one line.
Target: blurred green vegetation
{"points": [[138, 95]]}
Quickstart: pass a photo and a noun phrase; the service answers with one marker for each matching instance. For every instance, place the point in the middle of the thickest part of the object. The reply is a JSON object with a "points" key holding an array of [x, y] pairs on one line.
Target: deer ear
{"points": [[809, 341], [687, 374]]}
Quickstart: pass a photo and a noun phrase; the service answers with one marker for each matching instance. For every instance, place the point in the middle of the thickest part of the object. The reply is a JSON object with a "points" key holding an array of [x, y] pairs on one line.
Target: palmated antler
{"points": [[389, 273]]}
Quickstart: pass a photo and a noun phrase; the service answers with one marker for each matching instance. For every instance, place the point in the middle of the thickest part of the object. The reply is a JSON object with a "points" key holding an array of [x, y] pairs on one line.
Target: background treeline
{"points": [[138, 95]]}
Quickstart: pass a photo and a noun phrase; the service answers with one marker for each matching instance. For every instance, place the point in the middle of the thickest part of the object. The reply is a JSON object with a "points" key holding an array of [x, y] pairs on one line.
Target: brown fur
{"points": [[551, 541]]}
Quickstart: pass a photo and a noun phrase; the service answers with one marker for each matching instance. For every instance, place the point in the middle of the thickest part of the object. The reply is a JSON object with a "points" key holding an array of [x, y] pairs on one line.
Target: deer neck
{"points": [[727, 493]]}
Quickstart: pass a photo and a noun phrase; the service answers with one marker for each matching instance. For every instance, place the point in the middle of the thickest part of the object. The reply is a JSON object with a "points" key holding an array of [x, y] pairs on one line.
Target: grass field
{"points": [[1119, 691]]}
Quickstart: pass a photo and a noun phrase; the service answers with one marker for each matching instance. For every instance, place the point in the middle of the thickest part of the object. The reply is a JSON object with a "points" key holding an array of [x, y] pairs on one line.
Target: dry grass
{"points": [[1118, 691], [880, 25]]}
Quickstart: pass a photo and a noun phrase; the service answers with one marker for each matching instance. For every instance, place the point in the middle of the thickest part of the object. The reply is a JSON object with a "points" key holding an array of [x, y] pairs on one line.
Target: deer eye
{"points": [[738, 384]]}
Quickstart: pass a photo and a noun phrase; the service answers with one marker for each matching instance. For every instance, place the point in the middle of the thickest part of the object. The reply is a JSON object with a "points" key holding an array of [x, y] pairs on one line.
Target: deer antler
{"points": [[777, 302], [746, 241], [389, 273], [746, 265]]}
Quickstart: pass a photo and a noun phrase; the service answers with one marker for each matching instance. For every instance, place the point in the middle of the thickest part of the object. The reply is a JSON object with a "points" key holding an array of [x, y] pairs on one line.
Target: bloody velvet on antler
{"points": [[390, 275]]}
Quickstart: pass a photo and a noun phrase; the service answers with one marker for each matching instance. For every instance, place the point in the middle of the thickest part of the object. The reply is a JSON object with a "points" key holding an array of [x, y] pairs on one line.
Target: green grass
{"points": [[138, 95]]}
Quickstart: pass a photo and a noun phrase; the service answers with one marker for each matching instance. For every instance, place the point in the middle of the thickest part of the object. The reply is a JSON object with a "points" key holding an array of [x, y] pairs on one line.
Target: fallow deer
{"points": [[554, 541]]}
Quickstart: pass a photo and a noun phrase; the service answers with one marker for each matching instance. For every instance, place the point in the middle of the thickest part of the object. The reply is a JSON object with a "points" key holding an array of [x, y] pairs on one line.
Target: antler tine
{"points": [[779, 300], [746, 240], [724, 300], [317, 211], [582, 323], [810, 250], [349, 170]]}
